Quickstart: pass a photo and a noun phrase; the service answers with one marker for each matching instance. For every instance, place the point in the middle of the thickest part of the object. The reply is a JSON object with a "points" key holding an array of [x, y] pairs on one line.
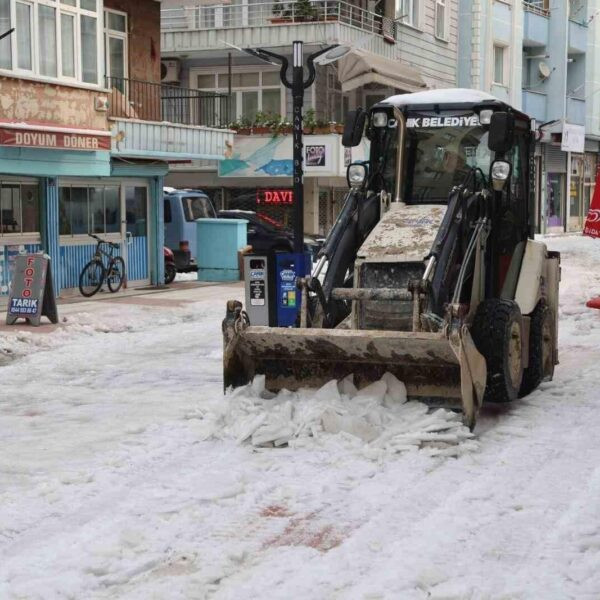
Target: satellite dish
{"points": [[333, 55], [544, 70]]}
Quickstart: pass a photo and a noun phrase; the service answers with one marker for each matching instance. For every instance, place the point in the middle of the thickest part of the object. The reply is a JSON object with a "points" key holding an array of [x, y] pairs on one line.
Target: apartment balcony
{"points": [[535, 25], [577, 38], [534, 105], [152, 120], [576, 111], [195, 29]]}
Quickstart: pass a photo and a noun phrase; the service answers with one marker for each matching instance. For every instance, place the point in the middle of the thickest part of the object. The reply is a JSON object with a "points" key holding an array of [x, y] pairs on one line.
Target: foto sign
{"points": [[31, 291]]}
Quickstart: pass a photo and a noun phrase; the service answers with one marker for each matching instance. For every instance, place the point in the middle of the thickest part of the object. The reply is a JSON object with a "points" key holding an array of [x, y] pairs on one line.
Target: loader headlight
{"points": [[499, 174], [380, 119], [356, 174], [485, 116]]}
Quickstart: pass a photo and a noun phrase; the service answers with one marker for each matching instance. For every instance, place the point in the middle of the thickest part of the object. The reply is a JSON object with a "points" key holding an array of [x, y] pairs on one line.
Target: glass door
{"points": [[576, 194], [555, 192], [137, 233]]}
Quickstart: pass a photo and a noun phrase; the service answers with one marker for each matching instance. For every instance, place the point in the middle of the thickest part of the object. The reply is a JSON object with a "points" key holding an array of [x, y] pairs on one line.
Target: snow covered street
{"points": [[120, 479]]}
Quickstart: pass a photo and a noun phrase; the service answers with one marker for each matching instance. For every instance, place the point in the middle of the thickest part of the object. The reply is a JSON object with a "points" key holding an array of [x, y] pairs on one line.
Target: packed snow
{"points": [[125, 472], [376, 420]]}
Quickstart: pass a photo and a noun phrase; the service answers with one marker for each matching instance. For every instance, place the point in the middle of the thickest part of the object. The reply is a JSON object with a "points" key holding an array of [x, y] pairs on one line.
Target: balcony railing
{"points": [[536, 8], [231, 15], [149, 101]]}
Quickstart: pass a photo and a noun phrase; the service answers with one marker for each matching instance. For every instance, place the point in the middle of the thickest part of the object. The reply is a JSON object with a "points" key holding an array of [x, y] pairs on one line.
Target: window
{"points": [[252, 92], [197, 207], [440, 19], [500, 53], [6, 43], [84, 210], [19, 208], [53, 39], [167, 215], [115, 46], [408, 12]]}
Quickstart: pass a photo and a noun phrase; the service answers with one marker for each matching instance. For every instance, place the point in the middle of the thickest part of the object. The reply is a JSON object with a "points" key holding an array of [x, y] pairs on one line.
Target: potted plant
{"points": [[309, 121], [281, 12], [304, 10]]}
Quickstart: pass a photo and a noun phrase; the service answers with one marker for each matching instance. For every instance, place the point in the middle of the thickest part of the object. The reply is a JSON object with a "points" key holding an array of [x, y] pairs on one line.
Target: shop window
{"points": [[19, 208], [84, 210], [52, 39], [136, 211]]}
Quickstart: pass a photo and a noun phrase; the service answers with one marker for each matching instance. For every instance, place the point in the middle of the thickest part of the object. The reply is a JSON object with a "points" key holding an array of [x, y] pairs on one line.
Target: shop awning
{"points": [[359, 68]]}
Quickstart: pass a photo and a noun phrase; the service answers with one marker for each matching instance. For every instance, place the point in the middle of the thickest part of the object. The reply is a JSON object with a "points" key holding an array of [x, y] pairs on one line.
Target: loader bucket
{"points": [[294, 358]]}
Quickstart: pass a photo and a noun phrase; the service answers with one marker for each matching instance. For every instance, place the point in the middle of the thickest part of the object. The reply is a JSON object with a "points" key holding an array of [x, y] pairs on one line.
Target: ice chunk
{"points": [[396, 390], [346, 386], [328, 392]]}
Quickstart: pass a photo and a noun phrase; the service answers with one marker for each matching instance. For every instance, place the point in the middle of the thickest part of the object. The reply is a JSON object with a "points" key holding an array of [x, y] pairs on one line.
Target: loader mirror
{"points": [[502, 132], [354, 127]]}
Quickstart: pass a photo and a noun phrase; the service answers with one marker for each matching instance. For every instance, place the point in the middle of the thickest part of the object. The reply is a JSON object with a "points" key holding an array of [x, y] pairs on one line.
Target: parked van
{"points": [[182, 208]]}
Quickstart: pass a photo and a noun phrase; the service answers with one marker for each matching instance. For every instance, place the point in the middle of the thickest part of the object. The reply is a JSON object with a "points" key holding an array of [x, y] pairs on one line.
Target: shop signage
{"points": [[31, 291], [573, 138], [278, 196], [316, 156], [31, 138]]}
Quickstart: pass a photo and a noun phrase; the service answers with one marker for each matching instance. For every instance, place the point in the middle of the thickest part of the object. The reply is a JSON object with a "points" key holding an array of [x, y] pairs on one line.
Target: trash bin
{"points": [[218, 242]]}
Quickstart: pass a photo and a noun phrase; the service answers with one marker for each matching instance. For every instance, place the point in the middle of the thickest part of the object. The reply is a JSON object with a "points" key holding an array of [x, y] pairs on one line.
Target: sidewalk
{"points": [[174, 296]]}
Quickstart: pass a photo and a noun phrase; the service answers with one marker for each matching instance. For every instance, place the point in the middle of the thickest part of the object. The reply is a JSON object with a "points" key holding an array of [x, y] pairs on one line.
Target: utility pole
{"points": [[297, 86]]}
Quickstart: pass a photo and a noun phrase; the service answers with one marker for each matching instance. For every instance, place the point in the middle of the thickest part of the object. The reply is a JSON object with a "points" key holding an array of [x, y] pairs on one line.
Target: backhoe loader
{"points": [[431, 271]]}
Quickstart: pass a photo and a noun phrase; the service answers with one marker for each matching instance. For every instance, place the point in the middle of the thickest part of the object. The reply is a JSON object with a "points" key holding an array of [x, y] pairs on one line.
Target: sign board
{"points": [[31, 291], [592, 223], [573, 138], [276, 196], [30, 138], [316, 155]]}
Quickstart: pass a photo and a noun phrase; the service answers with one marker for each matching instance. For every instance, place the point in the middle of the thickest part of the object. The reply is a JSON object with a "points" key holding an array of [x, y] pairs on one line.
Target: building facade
{"points": [[543, 58], [86, 135], [401, 46]]}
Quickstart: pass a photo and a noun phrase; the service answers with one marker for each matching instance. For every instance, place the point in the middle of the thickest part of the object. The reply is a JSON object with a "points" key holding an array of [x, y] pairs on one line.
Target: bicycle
{"points": [[95, 273]]}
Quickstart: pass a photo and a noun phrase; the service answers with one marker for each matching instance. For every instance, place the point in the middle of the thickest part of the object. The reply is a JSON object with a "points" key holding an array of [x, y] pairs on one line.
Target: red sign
{"points": [[274, 197], [592, 223], [30, 138]]}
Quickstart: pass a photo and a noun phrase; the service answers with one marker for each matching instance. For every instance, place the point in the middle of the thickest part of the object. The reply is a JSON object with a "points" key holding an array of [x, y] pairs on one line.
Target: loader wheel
{"points": [[541, 348], [497, 330]]}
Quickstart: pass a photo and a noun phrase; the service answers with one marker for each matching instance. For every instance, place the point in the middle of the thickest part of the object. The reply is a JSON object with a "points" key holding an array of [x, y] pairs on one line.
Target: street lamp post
{"points": [[297, 86]]}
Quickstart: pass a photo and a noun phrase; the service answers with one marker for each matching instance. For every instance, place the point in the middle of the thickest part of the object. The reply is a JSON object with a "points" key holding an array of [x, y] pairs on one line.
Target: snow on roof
{"points": [[442, 96]]}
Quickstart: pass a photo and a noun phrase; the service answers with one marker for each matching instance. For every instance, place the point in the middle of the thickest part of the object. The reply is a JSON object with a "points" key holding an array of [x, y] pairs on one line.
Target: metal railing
{"points": [[149, 101], [236, 14], [536, 8]]}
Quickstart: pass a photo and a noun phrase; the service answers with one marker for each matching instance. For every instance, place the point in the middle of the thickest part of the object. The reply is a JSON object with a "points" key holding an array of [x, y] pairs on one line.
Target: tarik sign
{"points": [[31, 291]]}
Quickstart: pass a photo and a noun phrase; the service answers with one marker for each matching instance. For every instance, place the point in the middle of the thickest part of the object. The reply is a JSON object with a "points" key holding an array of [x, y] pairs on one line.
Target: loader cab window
{"points": [[440, 153]]}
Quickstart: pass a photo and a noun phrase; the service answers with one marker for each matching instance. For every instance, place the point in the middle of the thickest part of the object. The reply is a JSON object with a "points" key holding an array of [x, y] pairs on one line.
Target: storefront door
{"points": [[555, 201], [576, 197], [136, 232]]}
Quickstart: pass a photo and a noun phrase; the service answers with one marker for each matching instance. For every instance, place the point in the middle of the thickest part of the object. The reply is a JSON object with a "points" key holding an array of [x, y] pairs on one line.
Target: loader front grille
{"points": [[388, 315]]}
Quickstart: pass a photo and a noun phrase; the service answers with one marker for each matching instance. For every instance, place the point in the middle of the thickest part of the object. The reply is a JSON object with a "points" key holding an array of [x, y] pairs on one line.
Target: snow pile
{"points": [[377, 419]]}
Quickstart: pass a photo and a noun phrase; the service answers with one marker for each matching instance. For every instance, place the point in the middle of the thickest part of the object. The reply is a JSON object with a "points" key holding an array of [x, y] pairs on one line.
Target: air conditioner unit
{"points": [[169, 71]]}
